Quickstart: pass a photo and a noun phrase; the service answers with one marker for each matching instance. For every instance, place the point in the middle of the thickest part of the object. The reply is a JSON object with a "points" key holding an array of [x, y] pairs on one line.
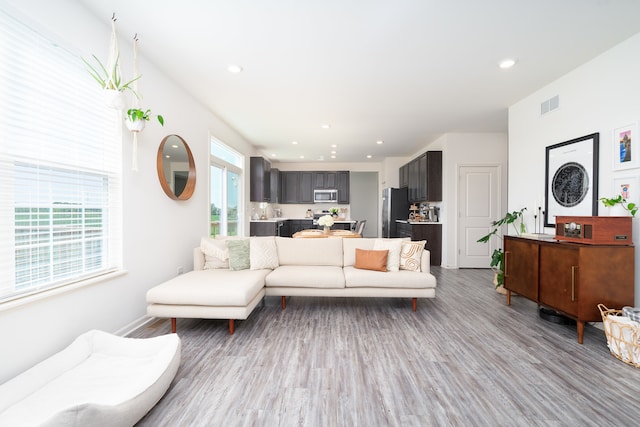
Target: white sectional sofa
{"points": [[218, 288]]}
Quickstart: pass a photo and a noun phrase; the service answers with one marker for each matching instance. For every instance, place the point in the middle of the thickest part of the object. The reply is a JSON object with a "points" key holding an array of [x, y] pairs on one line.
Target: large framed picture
{"points": [[626, 151], [571, 181]]}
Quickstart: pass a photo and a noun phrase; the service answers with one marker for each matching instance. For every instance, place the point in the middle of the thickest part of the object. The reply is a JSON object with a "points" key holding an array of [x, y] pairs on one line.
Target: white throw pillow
{"points": [[393, 246], [411, 254], [263, 253], [216, 254]]}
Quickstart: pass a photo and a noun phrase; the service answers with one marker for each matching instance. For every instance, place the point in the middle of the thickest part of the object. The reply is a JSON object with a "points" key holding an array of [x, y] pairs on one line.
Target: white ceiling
{"points": [[401, 71]]}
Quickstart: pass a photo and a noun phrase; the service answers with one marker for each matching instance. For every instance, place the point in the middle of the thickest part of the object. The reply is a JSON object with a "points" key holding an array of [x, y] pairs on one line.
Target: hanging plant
{"points": [[110, 79], [136, 119]]}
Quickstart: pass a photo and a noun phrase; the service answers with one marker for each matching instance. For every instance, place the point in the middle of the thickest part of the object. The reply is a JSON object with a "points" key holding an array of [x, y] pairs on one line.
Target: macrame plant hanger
{"points": [[136, 104], [116, 100]]}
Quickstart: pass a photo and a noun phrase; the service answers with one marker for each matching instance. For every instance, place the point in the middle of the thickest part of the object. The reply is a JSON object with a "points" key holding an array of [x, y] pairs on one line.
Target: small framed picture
{"points": [[626, 151], [627, 186]]}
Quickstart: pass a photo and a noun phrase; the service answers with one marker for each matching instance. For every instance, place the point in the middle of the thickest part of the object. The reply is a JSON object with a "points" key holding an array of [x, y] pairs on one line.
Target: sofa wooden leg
{"points": [[232, 327], [173, 325], [415, 304], [284, 302]]}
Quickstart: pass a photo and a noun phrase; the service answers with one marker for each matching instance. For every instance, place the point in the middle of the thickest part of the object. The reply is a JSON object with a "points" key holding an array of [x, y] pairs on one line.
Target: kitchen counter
{"points": [[406, 221], [339, 221]]}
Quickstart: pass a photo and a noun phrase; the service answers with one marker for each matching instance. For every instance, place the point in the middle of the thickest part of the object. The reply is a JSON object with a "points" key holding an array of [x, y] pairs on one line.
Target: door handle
{"points": [[573, 282]]}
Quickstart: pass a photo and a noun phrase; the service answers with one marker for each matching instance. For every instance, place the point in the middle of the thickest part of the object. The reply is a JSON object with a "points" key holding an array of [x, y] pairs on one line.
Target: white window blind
{"points": [[60, 167]]}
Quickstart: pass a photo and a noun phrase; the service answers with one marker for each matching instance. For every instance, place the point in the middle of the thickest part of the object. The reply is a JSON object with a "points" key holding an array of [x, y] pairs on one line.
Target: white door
{"points": [[479, 204]]}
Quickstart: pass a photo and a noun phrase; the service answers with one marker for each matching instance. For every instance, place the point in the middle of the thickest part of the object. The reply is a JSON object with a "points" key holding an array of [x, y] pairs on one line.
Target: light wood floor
{"points": [[463, 359]]}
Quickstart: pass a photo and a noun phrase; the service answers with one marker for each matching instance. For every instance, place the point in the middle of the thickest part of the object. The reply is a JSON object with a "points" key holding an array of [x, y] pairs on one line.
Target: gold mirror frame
{"points": [[161, 159]]}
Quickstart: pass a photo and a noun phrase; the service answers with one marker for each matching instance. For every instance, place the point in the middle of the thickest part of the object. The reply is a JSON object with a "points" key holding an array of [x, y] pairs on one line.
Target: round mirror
{"points": [[176, 168]]}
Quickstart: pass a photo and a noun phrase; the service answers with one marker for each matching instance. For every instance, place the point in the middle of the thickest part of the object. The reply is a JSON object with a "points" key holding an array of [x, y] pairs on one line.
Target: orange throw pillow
{"points": [[371, 260]]}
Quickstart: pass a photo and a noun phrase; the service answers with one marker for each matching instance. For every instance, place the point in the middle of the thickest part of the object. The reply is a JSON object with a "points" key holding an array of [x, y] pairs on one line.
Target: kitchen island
{"points": [[286, 227], [423, 230]]}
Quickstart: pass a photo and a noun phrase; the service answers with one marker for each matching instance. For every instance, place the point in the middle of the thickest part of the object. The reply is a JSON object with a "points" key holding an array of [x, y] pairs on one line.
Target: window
{"points": [[225, 190], [60, 167]]}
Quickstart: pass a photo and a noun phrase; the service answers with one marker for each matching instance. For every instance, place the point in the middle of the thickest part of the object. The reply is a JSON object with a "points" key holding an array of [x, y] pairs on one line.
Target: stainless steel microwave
{"points": [[325, 196]]}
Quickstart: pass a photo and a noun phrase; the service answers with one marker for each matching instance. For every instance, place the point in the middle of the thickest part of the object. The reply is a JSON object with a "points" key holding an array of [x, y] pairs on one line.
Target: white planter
{"points": [[114, 99], [136, 125]]}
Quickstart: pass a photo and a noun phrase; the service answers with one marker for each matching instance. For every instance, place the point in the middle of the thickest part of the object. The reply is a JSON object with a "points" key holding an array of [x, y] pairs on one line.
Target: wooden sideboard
{"points": [[570, 278]]}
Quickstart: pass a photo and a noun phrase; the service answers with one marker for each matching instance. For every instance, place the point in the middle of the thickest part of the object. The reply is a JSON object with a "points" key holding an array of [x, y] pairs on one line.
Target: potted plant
{"points": [[632, 208], [334, 212], [111, 81], [514, 218], [136, 119]]}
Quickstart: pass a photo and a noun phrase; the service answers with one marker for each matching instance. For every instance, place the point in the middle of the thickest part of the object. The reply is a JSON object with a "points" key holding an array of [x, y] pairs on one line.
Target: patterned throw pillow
{"points": [[238, 254], [216, 254], [263, 253], [410, 255], [393, 246]]}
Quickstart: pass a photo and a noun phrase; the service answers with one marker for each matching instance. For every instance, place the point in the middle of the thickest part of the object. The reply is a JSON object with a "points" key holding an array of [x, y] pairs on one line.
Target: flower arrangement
{"points": [[325, 221]]}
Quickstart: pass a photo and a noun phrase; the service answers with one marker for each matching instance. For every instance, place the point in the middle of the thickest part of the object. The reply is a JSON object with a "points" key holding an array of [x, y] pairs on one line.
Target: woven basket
{"points": [[623, 336]]}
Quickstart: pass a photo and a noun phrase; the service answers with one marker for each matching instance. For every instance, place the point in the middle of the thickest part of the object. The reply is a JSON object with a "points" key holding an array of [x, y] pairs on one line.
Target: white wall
{"points": [[159, 233], [464, 149], [599, 96]]}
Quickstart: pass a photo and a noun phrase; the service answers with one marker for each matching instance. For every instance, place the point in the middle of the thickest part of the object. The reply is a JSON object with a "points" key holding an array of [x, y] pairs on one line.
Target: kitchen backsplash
{"points": [[294, 211]]}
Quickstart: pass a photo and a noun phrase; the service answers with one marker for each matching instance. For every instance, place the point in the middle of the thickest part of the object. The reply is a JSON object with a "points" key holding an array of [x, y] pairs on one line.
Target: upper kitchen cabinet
{"points": [[260, 179], [343, 187], [325, 180], [434, 176], [275, 185], [296, 187], [423, 177]]}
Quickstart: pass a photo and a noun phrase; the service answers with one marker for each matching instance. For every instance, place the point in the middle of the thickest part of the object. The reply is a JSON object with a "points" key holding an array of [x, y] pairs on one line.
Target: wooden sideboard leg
{"points": [[508, 297], [580, 327], [173, 325], [232, 327], [415, 304], [284, 302]]}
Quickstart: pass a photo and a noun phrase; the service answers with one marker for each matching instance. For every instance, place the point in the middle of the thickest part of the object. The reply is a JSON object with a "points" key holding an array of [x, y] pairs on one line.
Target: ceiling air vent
{"points": [[549, 105]]}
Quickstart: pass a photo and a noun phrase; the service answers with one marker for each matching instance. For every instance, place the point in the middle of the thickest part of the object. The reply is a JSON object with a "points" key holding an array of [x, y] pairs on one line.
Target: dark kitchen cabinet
{"points": [[325, 180], [259, 179], [268, 228], [434, 176], [289, 185], [275, 185], [343, 186], [292, 226], [305, 191], [423, 177], [431, 232], [404, 176]]}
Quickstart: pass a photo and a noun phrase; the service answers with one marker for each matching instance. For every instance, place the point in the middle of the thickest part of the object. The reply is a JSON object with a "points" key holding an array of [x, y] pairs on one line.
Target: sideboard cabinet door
{"points": [[521, 267]]}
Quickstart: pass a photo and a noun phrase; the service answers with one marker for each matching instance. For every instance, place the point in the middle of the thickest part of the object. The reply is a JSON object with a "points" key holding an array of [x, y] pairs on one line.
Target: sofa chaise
{"points": [[223, 285]]}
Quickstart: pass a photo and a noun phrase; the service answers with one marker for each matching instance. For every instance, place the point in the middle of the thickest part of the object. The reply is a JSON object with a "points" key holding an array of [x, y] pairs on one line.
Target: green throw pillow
{"points": [[238, 254]]}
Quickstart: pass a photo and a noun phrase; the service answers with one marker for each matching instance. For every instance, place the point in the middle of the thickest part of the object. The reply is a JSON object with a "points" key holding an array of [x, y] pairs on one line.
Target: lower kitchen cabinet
{"points": [[267, 228], [570, 278], [431, 232]]}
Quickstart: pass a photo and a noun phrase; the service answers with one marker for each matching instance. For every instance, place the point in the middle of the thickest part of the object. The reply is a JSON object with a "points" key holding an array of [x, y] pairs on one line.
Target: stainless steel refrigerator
{"points": [[395, 205]]}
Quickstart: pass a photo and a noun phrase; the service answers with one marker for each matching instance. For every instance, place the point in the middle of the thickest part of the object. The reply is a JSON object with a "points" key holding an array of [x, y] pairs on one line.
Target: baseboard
{"points": [[136, 324]]}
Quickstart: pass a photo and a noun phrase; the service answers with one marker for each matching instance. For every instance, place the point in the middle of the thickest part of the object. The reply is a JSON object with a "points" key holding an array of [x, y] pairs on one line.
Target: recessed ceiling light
{"points": [[334, 145], [369, 156], [294, 142], [235, 69], [326, 126], [333, 157], [333, 151], [273, 155], [507, 63], [379, 142], [302, 157]]}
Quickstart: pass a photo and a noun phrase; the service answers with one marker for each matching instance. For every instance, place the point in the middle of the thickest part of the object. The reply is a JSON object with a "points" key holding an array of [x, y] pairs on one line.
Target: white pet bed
{"points": [[99, 380]]}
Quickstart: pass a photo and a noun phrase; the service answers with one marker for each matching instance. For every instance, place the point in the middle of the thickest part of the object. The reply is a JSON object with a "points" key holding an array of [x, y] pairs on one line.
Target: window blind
{"points": [[60, 167]]}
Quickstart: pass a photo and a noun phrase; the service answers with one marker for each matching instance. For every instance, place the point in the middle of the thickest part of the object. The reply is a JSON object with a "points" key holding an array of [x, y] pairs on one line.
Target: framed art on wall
{"points": [[571, 181], [626, 151], [627, 186]]}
